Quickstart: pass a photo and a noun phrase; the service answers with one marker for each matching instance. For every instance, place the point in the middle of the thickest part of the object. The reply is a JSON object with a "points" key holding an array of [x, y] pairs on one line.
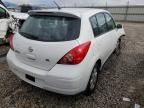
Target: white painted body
{"points": [[3, 27], [64, 79]]}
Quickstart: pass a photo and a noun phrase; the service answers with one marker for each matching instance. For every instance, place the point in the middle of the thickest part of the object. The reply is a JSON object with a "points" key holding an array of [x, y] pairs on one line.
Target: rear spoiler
{"points": [[62, 14]]}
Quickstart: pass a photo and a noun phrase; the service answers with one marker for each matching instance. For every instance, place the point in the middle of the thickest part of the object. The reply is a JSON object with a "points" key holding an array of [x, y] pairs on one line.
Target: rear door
{"points": [[111, 30], [4, 19], [104, 38], [44, 39]]}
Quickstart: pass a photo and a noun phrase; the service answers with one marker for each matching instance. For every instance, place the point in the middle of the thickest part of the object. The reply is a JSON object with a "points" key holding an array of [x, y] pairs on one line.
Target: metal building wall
{"points": [[127, 13], [122, 13]]}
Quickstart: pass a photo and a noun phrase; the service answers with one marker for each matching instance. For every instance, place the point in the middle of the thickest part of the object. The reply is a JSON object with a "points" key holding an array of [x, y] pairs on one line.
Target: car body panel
{"points": [[52, 51], [3, 27], [63, 79]]}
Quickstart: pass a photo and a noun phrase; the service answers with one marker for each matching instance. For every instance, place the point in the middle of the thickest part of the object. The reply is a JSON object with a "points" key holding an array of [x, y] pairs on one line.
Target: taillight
{"points": [[76, 55], [11, 40]]}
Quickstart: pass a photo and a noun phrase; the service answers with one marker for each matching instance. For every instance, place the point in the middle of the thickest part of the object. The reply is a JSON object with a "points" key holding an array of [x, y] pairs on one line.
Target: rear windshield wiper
{"points": [[27, 35]]}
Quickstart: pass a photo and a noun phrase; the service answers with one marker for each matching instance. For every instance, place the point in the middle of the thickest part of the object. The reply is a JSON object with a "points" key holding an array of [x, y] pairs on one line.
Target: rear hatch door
{"points": [[44, 39]]}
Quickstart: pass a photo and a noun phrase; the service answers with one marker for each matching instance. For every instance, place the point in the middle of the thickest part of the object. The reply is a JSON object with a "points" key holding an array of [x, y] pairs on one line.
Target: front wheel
{"points": [[92, 81], [118, 47]]}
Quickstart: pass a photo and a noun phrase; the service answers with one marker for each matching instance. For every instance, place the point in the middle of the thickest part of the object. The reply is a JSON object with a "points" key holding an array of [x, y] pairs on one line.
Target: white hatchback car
{"points": [[63, 50]]}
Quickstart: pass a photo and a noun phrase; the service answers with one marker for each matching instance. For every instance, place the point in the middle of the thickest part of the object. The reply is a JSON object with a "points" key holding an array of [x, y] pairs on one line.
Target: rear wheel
{"points": [[92, 81]]}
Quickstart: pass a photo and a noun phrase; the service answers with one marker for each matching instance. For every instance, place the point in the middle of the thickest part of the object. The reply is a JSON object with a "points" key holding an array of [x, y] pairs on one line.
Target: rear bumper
{"points": [[60, 79]]}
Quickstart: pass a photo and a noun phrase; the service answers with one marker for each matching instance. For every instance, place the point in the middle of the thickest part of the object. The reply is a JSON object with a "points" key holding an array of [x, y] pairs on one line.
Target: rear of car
{"points": [[63, 50], [47, 52]]}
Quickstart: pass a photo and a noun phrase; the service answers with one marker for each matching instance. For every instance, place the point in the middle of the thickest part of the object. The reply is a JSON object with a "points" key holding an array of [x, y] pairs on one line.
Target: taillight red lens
{"points": [[76, 55], [11, 40]]}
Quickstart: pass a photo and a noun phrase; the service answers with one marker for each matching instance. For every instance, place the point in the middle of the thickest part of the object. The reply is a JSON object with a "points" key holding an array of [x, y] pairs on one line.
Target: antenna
{"points": [[2, 4], [57, 5]]}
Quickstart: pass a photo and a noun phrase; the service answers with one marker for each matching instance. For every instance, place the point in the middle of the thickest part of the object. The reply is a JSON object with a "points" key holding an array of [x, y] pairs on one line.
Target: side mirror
{"points": [[119, 26]]}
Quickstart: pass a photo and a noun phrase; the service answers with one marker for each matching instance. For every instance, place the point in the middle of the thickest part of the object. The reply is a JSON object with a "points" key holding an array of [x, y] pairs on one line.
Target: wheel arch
{"points": [[97, 62]]}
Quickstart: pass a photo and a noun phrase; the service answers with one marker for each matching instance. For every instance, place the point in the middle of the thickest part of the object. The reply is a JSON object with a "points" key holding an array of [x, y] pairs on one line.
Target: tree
{"points": [[25, 8]]}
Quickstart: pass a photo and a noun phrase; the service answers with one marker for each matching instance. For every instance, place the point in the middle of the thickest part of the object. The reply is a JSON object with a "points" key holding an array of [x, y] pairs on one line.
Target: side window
{"points": [[94, 25], [110, 22], [2, 13], [102, 23]]}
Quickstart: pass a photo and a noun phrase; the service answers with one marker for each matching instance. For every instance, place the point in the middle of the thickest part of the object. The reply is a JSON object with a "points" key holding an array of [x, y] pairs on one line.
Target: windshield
{"points": [[51, 28]]}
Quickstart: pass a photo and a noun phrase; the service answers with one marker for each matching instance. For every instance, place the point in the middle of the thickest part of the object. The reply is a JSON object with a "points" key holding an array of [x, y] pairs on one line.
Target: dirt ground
{"points": [[121, 76]]}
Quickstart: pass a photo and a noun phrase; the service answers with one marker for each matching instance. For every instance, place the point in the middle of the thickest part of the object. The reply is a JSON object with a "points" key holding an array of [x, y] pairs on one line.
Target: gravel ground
{"points": [[121, 76]]}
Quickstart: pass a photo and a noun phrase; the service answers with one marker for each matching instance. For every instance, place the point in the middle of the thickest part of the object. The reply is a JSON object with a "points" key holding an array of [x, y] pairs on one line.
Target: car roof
{"points": [[74, 11]]}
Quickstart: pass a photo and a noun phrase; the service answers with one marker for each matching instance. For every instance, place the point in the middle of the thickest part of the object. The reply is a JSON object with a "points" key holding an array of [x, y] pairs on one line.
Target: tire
{"points": [[118, 47], [3, 50], [92, 81]]}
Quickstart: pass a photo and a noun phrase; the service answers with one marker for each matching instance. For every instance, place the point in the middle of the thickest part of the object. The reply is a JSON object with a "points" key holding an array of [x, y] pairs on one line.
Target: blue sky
{"points": [[78, 2]]}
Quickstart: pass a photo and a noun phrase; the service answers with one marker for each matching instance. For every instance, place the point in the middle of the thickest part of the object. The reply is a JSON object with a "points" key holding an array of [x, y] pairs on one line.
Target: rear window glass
{"points": [[51, 28]]}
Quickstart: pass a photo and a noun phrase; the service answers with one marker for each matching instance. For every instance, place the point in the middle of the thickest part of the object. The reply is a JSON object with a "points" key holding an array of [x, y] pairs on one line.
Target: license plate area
{"points": [[29, 77]]}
